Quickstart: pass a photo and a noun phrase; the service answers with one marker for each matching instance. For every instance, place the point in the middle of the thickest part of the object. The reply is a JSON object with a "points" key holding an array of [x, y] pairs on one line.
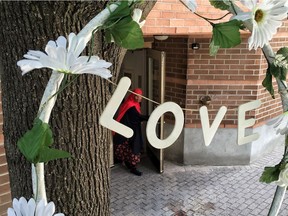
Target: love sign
{"points": [[107, 120]]}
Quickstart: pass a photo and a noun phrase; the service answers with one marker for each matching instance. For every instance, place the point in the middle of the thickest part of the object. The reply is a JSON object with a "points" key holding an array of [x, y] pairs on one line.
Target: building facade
{"points": [[231, 78]]}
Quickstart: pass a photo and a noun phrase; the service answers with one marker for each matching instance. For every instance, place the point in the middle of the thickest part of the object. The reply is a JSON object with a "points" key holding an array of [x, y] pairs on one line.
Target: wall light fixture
{"points": [[195, 46]]}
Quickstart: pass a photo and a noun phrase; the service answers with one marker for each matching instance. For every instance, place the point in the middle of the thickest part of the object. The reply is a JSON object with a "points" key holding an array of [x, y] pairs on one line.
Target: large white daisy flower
{"points": [[65, 59], [23, 208], [266, 18], [190, 4]]}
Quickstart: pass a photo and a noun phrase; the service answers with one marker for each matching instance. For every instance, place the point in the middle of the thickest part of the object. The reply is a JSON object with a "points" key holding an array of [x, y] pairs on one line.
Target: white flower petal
{"points": [[16, 207], [94, 59], [80, 46], [71, 59], [61, 55], [190, 4], [61, 42], [52, 44], [34, 55], [137, 13], [82, 60], [73, 40], [40, 208], [28, 65], [51, 51], [52, 63], [11, 212], [249, 3], [23, 206], [31, 207], [102, 72], [243, 16], [49, 209], [59, 214]]}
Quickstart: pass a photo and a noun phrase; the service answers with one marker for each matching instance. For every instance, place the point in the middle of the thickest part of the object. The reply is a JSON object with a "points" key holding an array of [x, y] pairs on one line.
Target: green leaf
{"points": [[213, 49], [285, 158], [283, 51], [34, 144], [277, 72], [227, 35], [270, 174], [123, 10], [279, 67], [123, 29], [47, 154], [267, 83], [128, 34], [31, 142], [220, 4]]}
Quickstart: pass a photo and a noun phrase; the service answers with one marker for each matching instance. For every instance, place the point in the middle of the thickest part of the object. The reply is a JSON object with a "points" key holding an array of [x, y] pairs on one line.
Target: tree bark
{"points": [[80, 185]]}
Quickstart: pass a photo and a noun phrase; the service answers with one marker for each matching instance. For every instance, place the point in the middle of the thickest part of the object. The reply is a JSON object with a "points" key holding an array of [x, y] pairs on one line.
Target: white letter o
{"points": [[152, 122]]}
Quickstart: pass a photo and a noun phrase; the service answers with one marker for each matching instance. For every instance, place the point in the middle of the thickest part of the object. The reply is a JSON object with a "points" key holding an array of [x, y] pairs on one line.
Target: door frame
{"points": [[157, 155]]}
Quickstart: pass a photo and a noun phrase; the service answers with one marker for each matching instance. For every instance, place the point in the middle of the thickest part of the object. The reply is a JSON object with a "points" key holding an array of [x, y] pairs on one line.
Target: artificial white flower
{"points": [[65, 59], [23, 208], [266, 18], [280, 61], [283, 177], [190, 4], [280, 124], [137, 14]]}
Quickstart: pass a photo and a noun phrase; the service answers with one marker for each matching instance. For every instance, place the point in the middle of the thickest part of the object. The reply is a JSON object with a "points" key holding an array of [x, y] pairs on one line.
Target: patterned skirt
{"points": [[123, 152]]}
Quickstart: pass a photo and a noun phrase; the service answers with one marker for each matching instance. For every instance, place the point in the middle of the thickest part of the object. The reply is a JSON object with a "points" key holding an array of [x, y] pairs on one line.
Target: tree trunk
{"points": [[80, 185]]}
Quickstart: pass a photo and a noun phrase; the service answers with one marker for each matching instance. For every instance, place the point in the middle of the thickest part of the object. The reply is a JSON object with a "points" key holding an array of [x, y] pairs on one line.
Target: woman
{"points": [[128, 149]]}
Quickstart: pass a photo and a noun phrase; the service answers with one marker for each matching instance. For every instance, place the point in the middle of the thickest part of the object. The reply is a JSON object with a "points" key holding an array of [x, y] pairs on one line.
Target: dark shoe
{"points": [[128, 165], [136, 172], [117, 161]]}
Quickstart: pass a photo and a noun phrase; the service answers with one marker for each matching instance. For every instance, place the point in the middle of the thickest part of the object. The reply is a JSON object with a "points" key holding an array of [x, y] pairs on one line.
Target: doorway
{"points": [[146, 69]]}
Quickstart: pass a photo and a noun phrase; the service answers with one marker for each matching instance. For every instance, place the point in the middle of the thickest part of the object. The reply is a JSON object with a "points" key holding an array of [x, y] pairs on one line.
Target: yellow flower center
{"points": [[259, 16]]}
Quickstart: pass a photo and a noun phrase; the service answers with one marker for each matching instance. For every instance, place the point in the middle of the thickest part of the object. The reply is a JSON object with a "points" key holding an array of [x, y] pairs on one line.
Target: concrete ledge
{"points": [[190, 149]]}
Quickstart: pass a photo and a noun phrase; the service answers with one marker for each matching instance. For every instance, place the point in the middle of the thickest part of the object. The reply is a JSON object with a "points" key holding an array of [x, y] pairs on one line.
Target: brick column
{"points": [[5, 195]]}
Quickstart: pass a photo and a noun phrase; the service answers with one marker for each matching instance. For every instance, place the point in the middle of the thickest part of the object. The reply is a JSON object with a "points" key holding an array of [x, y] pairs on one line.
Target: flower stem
{"points": [[208, 19], [280, 191], [49, 98], [46, 106], [277, 201], [39, 182], [282, 87]]}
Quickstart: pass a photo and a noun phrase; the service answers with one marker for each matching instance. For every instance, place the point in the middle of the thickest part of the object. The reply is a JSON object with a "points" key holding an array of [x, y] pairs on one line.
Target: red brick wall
{"points": [[5, 196], [232, 77], [172, 17]]}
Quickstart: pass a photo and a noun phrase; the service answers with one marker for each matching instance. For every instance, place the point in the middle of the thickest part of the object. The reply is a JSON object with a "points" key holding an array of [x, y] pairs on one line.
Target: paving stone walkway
{"points": [[194, 190]]}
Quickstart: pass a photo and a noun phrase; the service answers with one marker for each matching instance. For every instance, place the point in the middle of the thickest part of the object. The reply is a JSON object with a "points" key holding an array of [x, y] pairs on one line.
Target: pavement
{"points": [[195, 190]]}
